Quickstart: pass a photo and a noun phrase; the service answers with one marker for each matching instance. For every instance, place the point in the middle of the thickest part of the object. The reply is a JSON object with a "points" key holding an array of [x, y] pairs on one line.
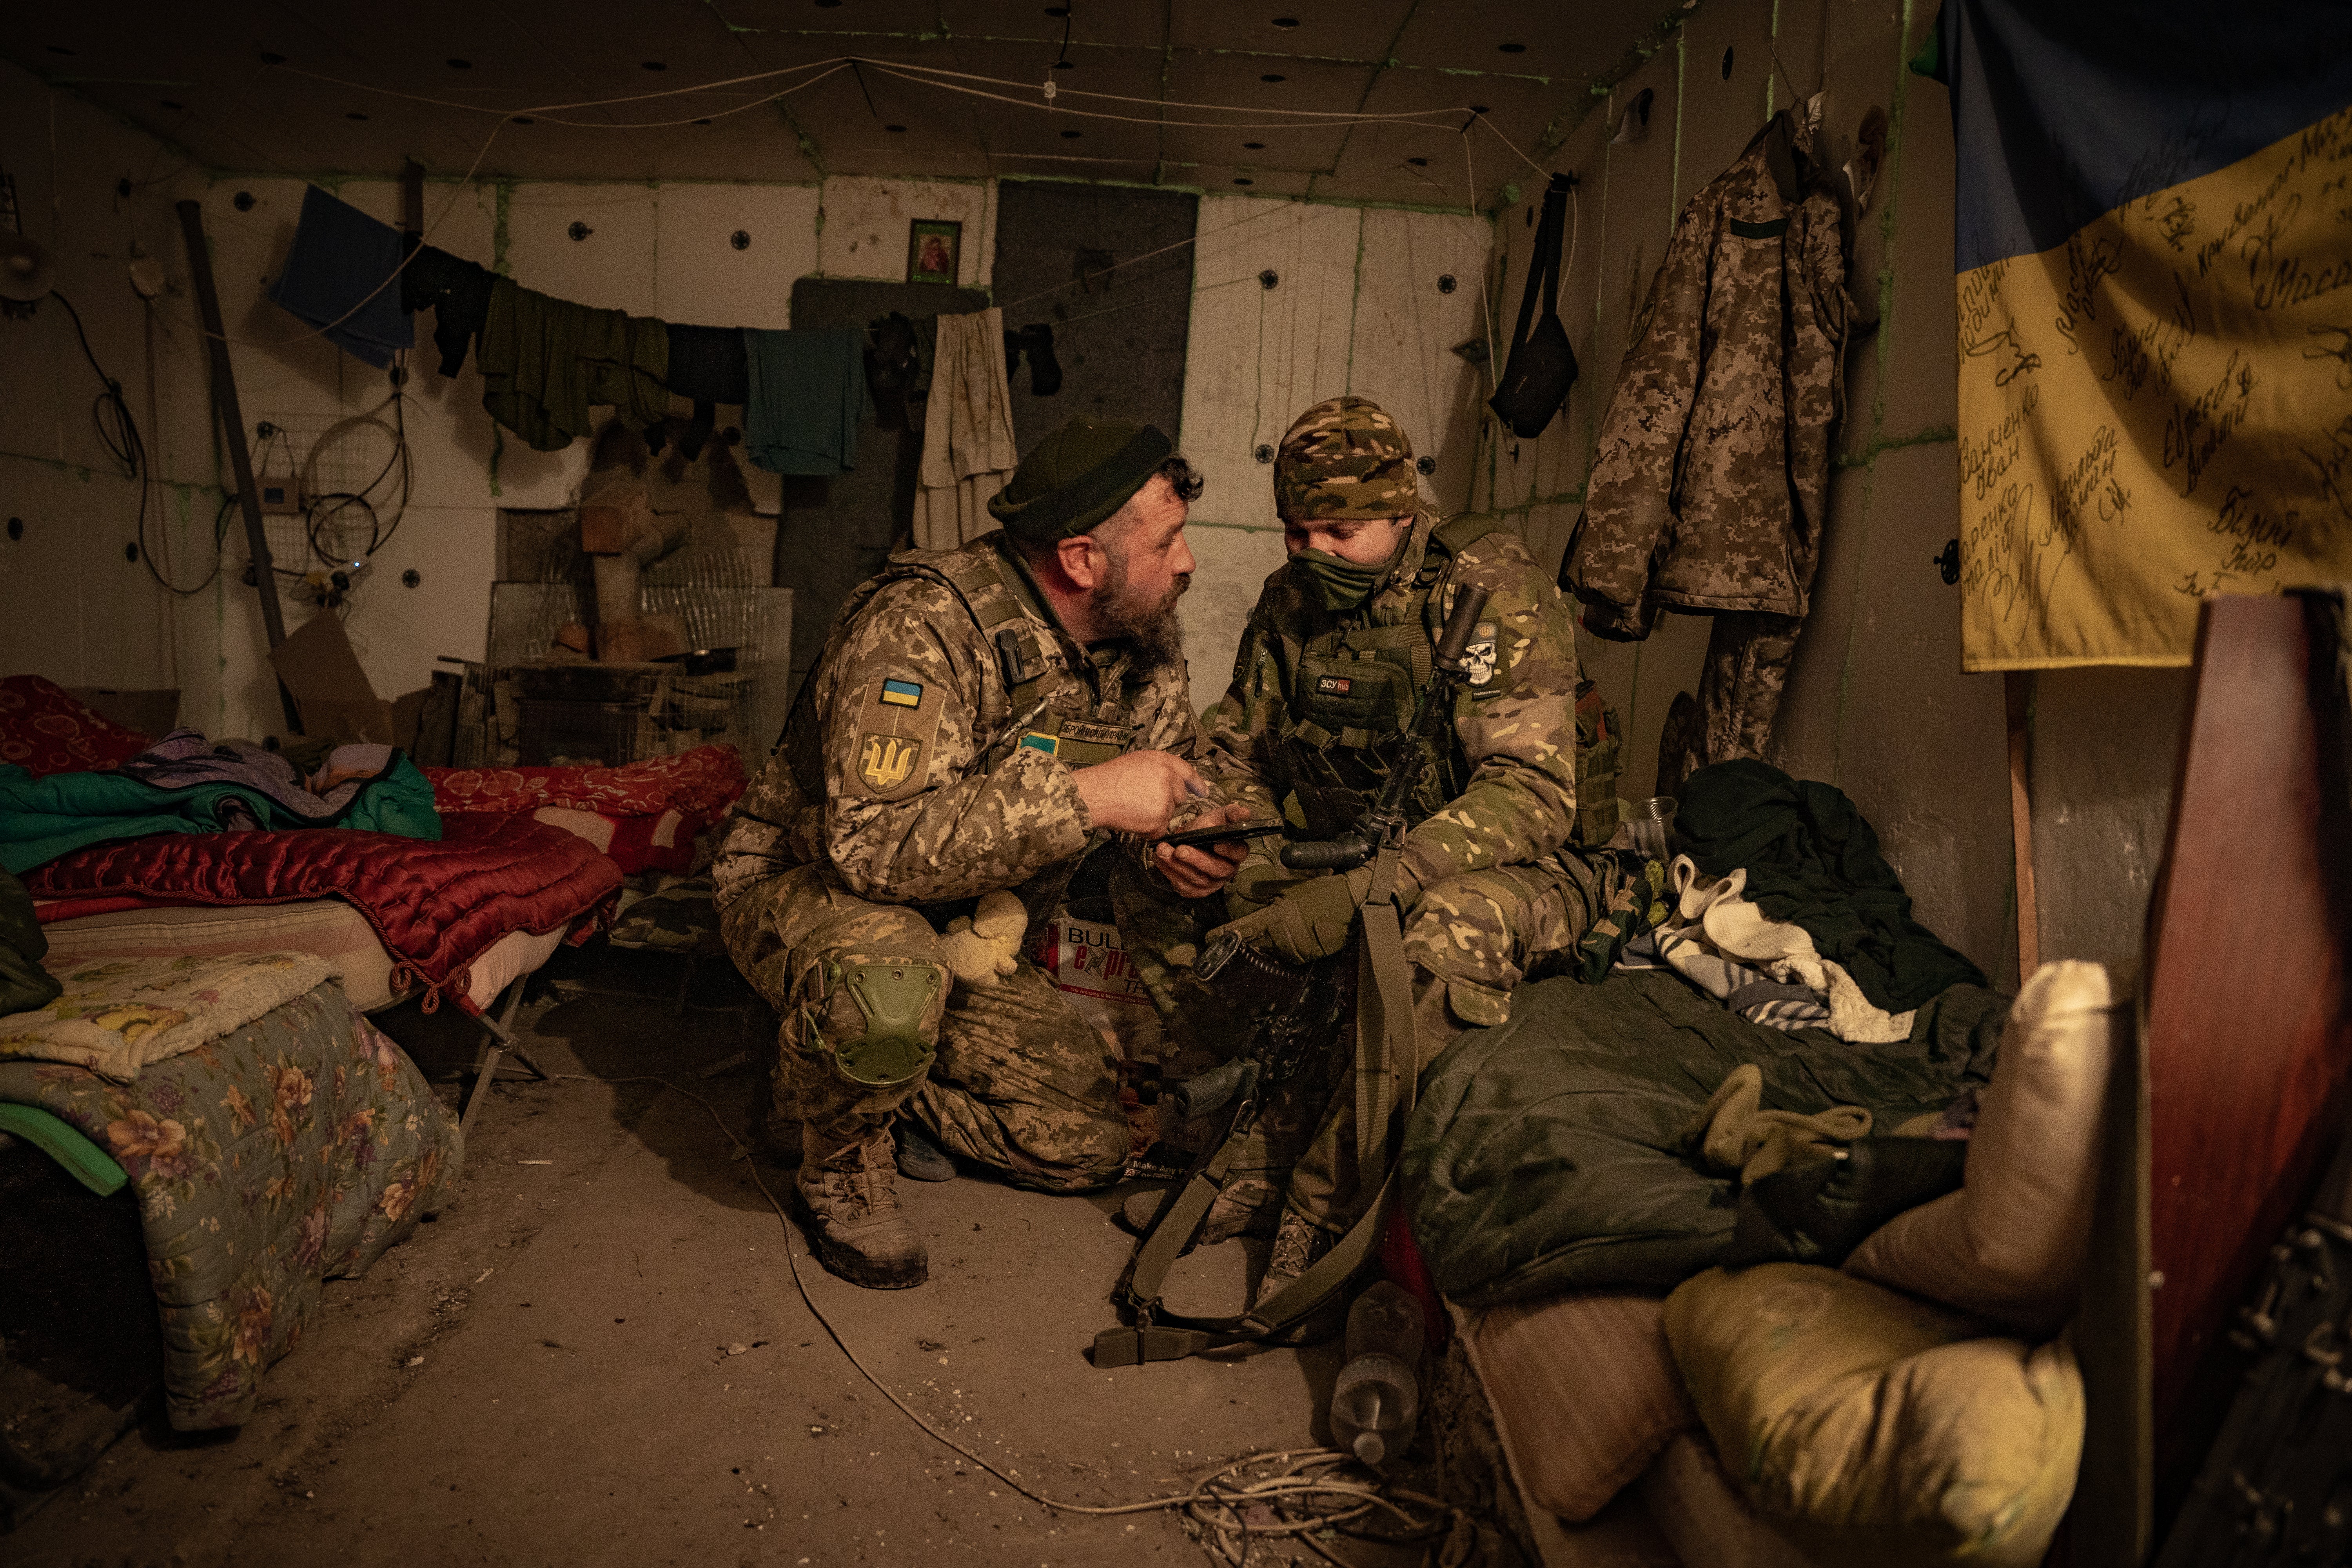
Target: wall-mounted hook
{"points": [[1948, 563]]}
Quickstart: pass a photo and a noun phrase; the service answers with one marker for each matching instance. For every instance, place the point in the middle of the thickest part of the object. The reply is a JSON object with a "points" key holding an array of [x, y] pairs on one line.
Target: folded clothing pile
{"points": [[1813, 861], [115, 1017]]}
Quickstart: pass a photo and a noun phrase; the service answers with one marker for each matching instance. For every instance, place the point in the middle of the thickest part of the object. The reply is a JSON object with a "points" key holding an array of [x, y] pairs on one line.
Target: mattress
{"points": [[437, 906], [294, 1149], [330, 927]]}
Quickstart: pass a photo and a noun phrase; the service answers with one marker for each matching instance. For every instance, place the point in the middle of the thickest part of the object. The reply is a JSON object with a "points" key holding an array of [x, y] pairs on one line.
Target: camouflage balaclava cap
{"points": [[1344, 458], [1076, 476]]}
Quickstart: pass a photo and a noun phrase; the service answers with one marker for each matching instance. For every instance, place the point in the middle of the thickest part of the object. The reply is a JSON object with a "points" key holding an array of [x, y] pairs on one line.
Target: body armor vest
{"points": [[1352, 694], [1047, 706]]}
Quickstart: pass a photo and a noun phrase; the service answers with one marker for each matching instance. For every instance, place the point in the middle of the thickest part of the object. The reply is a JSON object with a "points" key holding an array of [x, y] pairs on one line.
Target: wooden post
{"points": [[240, 456], [2017, 690]]}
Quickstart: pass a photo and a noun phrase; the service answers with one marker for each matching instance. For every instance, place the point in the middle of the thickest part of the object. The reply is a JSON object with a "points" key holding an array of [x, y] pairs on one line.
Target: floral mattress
{"points": [[293, 1150]]}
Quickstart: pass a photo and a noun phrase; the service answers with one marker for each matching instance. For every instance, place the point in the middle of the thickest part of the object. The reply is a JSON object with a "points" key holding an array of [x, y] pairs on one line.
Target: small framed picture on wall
{"points": [[932, 246]]}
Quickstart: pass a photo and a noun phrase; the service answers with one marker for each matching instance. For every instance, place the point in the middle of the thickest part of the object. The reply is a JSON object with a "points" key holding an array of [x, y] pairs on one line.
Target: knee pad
{"points": [[875, 1018]]}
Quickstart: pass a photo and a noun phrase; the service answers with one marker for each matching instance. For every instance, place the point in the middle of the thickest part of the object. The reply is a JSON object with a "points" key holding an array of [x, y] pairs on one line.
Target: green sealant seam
{"points": [[1371, 85], [1868, 454], [1561, 498], [501, 203]]}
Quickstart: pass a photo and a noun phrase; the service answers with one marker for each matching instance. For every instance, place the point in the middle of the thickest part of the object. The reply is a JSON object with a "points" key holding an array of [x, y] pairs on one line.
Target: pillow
{"points": [[2009, 1246], [45, 730], [1584, 1392], [1873, 1429]]}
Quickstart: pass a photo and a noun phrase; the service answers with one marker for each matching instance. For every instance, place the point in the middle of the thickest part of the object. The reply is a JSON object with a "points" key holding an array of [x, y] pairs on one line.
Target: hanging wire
{"points": [[119, 432]]}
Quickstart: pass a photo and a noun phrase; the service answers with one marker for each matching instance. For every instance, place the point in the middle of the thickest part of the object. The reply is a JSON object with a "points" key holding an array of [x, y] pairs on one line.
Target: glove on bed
{"points": [[984, 947], [1734, 1132]]}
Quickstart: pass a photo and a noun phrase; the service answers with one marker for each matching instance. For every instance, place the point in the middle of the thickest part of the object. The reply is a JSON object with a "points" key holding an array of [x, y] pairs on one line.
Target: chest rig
{"points": [[1050, 708], [1351, 694]]}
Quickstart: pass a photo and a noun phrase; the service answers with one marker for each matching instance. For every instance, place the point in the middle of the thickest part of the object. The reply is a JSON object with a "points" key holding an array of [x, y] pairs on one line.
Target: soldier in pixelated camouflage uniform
{"points": [[1330, 665], [979, 720], [1710, 484]]}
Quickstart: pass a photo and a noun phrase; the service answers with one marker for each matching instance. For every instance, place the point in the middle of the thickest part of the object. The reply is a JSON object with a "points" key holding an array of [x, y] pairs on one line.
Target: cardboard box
{"points": [[154, 714], [337, 700]]}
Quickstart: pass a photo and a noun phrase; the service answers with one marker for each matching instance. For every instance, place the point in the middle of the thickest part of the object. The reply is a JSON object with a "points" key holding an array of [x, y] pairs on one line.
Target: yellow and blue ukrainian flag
{"points": [[2153, 238]]}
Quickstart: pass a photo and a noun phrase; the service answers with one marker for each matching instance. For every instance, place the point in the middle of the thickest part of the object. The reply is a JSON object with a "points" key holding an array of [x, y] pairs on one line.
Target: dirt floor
{"points": [[599, 1355]]}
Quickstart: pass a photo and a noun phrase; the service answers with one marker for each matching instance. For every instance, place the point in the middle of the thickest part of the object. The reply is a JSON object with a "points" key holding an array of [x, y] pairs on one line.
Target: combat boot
{"points": [[847, 1204], [1299, 1244]]}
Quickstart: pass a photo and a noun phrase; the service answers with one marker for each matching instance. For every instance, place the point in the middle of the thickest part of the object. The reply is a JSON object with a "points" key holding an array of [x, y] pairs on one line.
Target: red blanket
{"points": [[45, 730], [435, 905], [700, 784]]}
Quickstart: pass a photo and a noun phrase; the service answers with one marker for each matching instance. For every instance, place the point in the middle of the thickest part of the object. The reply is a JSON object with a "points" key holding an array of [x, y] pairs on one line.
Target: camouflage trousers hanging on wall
{"points": [[1739, 688], [1471, 940], [1019, 1083]]}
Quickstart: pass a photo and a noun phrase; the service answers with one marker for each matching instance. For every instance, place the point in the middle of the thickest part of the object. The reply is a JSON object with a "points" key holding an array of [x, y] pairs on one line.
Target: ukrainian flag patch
{"points": [[1048, 744], [902, 694]]}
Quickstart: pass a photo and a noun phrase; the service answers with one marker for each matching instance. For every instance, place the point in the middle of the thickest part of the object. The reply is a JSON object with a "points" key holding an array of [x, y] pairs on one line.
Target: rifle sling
{"points": [[1384, 1087]]}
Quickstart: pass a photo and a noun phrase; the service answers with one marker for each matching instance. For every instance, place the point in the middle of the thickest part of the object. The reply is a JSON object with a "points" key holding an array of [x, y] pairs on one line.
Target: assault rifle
{"points": [[1381, 825], [1384, 1079]]}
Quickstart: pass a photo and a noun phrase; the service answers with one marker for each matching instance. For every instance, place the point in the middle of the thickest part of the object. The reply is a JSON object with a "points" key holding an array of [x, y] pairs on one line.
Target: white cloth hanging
{"points": [[969, 453]]}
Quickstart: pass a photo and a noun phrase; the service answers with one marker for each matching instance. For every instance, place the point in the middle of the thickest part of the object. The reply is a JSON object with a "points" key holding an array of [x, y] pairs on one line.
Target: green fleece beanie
{"points": [[1076, 476]]}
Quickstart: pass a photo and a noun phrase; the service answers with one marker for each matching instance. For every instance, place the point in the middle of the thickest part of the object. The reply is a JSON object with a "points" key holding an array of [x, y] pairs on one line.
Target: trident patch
{"points": [[888, 762]]}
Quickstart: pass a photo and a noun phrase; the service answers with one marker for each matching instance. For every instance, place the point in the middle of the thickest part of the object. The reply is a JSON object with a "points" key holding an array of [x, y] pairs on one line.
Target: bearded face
{"points": [[1149, 624]]}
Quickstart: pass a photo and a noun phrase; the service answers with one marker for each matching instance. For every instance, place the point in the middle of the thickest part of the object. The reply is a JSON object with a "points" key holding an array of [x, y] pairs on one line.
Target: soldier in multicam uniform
{"points": [[979, 720], [1330, 666]]}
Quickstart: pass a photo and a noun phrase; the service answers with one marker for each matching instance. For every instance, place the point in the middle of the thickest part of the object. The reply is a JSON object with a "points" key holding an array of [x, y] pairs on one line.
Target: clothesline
{"points": [[546, 362]]}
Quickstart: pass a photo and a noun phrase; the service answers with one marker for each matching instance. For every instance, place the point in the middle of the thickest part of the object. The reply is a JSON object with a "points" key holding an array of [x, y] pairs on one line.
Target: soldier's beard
{"points": [[1154, 632]]}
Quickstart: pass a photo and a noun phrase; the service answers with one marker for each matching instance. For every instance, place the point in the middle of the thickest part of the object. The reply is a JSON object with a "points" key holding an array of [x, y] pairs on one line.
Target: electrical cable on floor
{"points": [[1287, 1487]]}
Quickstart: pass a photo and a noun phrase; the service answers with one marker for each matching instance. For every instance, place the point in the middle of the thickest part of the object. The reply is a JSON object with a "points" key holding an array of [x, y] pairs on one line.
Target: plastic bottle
{"points": [[1378, 1397]]}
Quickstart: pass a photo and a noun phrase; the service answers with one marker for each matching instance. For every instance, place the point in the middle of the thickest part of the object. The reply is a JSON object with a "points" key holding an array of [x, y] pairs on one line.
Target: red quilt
{"points": [[700, 784], [43, 730], [435, 905]]}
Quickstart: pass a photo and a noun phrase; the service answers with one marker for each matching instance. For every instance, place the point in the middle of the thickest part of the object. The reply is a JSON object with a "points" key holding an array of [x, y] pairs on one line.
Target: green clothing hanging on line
{"points": [[808, 395], [544, 361]]}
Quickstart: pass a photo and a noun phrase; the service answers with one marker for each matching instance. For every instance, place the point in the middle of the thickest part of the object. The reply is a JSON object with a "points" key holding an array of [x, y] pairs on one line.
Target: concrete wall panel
{"points": [[700, 276]]}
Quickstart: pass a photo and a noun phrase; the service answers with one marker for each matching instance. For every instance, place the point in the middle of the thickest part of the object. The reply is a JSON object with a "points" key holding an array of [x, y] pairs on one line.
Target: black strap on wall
{"points": [[1541, 366]]}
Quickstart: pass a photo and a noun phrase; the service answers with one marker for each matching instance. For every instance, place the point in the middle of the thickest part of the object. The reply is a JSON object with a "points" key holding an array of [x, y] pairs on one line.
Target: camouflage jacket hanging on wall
{"points": [[1711, 479], [929, 756], [1315, 693]]}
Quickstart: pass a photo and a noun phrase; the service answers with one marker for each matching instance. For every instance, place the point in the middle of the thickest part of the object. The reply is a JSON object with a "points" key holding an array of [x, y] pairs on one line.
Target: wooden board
{"points": [[2248, 1038]]}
